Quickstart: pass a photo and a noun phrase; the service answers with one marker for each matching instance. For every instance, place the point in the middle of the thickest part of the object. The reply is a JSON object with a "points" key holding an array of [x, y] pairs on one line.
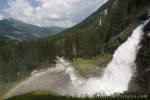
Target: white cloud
{"points": [[1, 17], [52, 12]]}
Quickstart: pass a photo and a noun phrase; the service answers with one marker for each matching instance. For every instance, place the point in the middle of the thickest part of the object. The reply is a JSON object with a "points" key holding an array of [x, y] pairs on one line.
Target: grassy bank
{"points": [[84, 65], [91, 67], [5, 87], [47, 96], [98, 61]]}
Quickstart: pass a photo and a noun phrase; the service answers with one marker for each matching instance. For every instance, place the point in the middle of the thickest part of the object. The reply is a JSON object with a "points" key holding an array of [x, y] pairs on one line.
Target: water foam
{"points": [[117, 74]]}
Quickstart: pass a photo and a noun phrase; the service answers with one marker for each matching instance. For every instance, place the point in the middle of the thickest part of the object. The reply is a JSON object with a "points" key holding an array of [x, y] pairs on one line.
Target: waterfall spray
{"points": [[115, 79], [118, 72]]}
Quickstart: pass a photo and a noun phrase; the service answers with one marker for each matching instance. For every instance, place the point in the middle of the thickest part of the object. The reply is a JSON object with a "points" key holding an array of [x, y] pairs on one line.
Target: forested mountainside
{"points": [[11, 29], [102, 32]]}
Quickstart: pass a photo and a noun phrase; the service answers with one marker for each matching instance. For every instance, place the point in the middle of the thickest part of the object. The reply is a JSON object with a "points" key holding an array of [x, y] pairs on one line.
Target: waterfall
{"points": [[71, 71], [117, 74]]}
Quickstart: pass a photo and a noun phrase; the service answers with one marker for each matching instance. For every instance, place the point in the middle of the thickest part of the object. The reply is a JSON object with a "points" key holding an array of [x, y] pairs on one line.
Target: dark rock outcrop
{"points": [[141, 79]]}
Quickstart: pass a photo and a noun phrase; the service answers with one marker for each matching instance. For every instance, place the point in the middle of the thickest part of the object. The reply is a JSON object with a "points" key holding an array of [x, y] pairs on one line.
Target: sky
{"points": [[63, 13]]}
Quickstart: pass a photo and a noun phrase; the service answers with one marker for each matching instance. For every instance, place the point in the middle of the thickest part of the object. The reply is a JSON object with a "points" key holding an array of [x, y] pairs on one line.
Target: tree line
{"points": [[85, 40]]}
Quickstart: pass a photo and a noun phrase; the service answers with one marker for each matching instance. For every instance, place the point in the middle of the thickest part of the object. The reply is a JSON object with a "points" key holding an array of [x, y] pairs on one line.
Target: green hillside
{"points": [[86, 40], [17, 30]]}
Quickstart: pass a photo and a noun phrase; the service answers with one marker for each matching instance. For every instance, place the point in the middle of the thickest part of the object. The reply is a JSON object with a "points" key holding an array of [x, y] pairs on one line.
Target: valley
{"points": [[103, 45]]}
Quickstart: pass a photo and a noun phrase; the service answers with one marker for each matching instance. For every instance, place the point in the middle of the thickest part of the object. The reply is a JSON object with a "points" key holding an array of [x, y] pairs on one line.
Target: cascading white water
{"points": [[70, 70], [117, 74]]}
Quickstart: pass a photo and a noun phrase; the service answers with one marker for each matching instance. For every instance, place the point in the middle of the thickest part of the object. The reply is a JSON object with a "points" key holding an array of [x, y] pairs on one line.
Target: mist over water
{"points": [[64, 79], [117, 74]]}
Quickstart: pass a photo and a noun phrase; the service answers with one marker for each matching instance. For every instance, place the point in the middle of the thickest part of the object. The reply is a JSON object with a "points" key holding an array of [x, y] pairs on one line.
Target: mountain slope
{"points": [[15, 29], [105, 29], [102, 32]]}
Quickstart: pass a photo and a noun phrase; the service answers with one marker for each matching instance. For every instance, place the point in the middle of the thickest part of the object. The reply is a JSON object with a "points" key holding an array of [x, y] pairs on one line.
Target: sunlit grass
{"points": [[5, 87], [124, 96], [97, 61], [42, 92]]}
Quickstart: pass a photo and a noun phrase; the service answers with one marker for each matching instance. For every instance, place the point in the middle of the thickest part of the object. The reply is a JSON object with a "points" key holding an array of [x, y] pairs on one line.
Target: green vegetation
{"points": [[17, 30], [82, 42], [85, 40], [5, 87], [42, 92], [125, 96], [97, 61]]}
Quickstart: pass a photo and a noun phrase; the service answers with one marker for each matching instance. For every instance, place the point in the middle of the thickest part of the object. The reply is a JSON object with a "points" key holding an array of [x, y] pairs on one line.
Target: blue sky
{"points": [[3, 4], [64, 13]]}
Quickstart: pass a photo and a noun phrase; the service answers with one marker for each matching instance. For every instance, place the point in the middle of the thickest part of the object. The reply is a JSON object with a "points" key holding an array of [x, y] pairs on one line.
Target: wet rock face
{"points": [[143, 17], [147, 28], [143, 63], [141, 80]]}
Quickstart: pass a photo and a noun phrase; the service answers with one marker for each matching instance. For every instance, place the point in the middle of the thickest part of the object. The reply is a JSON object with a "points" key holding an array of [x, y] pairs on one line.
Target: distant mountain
{"points": [[100, 33], [18, 30]]}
